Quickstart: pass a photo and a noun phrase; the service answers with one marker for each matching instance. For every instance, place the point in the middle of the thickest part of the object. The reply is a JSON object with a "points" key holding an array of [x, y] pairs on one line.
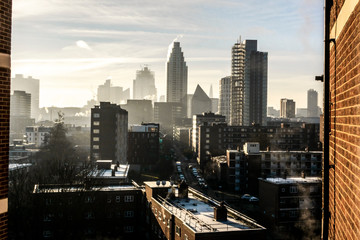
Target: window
{"points": [[95, 146], [109, 200], [129, 198], [129, 214], [95, 139], [178, 230], [96, 115], [313, 189], [129, 229], [96, 123], [293, 214], [47, 234], [117, 199], [96, 130], [293, 189]]}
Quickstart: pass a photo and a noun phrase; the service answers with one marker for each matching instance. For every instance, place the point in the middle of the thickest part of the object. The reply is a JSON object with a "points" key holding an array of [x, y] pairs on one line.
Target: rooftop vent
{"points": [[220, 212]]}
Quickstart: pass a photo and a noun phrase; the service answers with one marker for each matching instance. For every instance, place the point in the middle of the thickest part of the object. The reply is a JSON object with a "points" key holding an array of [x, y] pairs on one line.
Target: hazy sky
{"points": [[74, 46]]}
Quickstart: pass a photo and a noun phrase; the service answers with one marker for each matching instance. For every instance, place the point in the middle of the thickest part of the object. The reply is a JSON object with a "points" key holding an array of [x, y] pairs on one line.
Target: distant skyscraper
{"points": [[224, 97], [109, 131], [113, 94], [312, 103], [31, 86], [211, 91], [200, 102], [287, 108], [20, 104], [248, 84], [144, 85], [177, 71]]}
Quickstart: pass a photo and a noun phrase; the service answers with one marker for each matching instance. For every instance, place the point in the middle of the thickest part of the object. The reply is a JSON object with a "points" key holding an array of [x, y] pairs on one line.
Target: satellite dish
{"points": [[158, 182], [163, 182]]}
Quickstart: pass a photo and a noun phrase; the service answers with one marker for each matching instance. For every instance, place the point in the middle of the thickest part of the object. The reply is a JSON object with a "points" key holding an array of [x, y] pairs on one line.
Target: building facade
{"points": [[287, 108], [143, 144], [248, 84], [37, 135], [109, 132], [224, 97], [139, 111], [312, 103], [292, 206], [341, 121], [177, 77], [31, 86], [165, 113], [144, 85], [5, 70]]}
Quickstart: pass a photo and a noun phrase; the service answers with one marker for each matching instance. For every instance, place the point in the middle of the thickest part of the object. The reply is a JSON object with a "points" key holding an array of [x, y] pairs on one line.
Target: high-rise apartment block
{"points": [[29, 85], [312, 103], [287, 108], [109, 133], [224, 97], [144, 85], [177, 74], [248, 84]]}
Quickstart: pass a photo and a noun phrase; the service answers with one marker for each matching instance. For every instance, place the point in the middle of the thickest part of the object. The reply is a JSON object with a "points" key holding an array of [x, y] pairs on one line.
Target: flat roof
{"points": [[80, 188], [153, 184], [292, 180], [14, 166], [122, 171], [279, 151], [198, 215]]}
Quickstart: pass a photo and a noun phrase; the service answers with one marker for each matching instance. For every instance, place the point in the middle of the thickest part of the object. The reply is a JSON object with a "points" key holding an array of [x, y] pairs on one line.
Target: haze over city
{"points": [[73, 48]]}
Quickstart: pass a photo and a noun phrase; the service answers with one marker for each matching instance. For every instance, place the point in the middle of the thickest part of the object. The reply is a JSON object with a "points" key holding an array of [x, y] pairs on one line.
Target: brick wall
{"points": [[344, 149], [5, 49]]}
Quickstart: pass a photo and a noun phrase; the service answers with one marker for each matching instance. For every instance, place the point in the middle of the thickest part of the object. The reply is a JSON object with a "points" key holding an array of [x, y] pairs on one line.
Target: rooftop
{"points": [[292, 180], [158, 184], [55, 188], [198, 215], [121, 171]]}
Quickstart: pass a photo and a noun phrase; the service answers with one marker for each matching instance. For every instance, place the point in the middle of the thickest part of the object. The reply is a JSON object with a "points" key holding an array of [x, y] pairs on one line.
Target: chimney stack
{"points": [[220, 212]]}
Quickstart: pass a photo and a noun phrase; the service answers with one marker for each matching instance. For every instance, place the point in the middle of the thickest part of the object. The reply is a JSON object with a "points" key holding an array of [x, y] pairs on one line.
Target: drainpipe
{"points": [[326, 167]]}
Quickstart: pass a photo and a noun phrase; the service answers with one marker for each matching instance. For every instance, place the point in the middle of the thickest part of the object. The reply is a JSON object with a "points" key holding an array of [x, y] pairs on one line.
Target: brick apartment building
{"points": [[5, 74], [341, 192], [107, 205], [215, 139], [179, 212], [239, 170]]}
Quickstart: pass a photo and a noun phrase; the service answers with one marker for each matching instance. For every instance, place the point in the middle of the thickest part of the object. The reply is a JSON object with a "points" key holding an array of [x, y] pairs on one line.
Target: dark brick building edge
{"points": [[5, 74]]}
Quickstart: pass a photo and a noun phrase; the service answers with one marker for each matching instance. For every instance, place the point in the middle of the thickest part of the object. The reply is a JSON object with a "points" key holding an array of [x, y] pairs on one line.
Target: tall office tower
{"points": [[248, 84], [177, 73], [287, 108], [200, 102], [5, 70], [224, 97], [312, 103], [211, 92], [29, 85], [341, 188], [109, 131], [20, 104], [144, 85]]}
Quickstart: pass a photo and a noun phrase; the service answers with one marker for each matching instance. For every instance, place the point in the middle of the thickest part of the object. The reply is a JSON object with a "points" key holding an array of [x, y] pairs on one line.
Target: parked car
{"points": [[253, 199], [246, 196]]}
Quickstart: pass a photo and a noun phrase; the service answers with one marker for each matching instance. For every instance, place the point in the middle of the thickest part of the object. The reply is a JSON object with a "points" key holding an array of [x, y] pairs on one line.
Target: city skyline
{"points": [[77, 48]]}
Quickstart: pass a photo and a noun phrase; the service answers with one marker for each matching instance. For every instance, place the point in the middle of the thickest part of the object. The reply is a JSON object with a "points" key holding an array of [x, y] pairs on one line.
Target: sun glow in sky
{"points": [[73, 46]]}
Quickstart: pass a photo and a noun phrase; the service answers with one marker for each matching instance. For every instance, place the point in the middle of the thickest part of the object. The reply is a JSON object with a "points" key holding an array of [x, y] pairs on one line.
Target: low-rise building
{"points": [[292, 205], [38, 135], [180, 212]]}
